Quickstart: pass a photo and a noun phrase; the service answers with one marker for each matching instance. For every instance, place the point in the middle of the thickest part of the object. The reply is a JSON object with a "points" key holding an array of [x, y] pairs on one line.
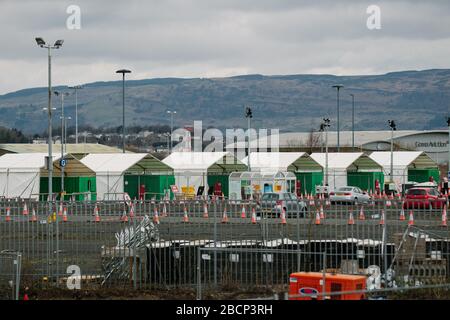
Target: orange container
{"points": [[310, 283]]}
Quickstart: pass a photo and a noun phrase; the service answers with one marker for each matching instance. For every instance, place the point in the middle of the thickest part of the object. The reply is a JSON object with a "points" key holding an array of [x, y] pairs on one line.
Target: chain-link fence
{"points": [[163, 244]]}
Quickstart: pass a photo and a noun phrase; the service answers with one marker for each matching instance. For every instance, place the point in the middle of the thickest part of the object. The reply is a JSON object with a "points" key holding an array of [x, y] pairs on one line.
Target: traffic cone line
{"points": [[185, 215], [351, 220], [25, 209], [253, 216], [361, 214], [382, 220], [283, 216], [411, 218], [205, 211], [317, 222], [225, 216], [33, 216], [444, 216], [243, 215]]}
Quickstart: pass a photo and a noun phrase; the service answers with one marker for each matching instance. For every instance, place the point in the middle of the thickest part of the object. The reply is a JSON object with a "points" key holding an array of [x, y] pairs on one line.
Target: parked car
{"points": [[349, 195], [271, 204], [423, 197]]}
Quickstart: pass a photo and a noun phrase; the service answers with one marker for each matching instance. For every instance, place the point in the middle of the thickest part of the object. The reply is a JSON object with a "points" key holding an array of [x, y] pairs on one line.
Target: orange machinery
{"points": [[311, 283]]}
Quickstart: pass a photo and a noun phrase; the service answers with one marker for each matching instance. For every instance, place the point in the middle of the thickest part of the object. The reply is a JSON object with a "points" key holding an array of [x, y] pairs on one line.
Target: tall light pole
{"points": [[324, 127], [338, 87], [123, 72], [49, 163], [249, 116], [172, 113], [448, 167], [393, 127], [76, 88], [353, 120], [62, 95]]}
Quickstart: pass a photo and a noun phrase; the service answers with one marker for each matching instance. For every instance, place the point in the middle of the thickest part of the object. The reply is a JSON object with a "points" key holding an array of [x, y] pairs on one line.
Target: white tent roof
{"points": [[417, 159], [121, 162], [345, 160], [282, 161], [204, 161], [24, 161]]}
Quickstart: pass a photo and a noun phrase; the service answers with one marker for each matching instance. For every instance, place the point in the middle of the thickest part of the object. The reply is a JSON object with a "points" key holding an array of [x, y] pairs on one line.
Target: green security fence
{"points": [[76, 186], [365, 180], [423, 175], [309, 181], [155, 185]]}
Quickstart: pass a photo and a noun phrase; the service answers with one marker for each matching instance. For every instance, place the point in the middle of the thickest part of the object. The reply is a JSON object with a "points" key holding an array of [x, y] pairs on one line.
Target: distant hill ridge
{"points": [[416, 99]]}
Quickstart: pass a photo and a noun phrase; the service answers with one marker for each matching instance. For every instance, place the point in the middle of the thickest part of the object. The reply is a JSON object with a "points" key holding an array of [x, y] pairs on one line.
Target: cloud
{"points": [[214, 38]]}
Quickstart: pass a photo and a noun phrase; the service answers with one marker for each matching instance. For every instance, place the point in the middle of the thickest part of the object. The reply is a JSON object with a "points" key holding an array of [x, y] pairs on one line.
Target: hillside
{"points": [[416, 99]]}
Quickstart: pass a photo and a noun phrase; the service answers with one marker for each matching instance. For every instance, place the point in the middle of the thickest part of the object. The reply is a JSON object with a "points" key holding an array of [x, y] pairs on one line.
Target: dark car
{"points": [[271, 204], [428, 198]]}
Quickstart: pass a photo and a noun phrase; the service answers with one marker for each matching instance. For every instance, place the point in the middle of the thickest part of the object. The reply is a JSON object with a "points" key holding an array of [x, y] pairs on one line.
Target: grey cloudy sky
{"points": [[216, 38]]}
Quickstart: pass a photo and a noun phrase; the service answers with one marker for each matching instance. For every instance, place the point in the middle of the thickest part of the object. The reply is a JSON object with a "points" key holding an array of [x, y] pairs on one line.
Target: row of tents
{"points": [[107, 176]]}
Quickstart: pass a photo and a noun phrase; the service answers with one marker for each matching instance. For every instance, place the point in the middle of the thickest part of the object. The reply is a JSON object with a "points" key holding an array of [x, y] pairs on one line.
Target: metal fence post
{"points": [[199, 275]]}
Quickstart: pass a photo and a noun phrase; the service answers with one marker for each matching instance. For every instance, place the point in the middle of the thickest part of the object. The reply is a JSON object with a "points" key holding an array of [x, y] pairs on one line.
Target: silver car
{"points": [[349, 195]]}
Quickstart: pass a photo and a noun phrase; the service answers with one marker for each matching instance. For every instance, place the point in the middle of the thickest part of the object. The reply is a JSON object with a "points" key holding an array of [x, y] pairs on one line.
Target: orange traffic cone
{"points": [[361, 214], [351, 220], [283, 216], [243, 215], [322, 214], [65, 216], [205, 211], [33, 216], [25, 209], [402, 215], [411, 218], [97, 216], [8, 214], [156, 216], [253, 216], [185, 215], [60, 211], [132, 210], [124, 217], [317, 222], [225, 216], [444, 216], [382, 218]]}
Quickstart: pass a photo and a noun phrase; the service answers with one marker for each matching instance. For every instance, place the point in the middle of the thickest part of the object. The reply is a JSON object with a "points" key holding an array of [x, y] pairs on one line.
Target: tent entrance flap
{"points": [[423, 175], [308, 181], [365, 180], [148, 186]]}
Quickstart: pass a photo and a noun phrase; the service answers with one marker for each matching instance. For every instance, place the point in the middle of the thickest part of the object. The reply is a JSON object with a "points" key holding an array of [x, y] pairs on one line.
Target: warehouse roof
{"points": [[217, 162], [138, 163], [414, 159], [82, 148], [282, 161], [346, 160]]}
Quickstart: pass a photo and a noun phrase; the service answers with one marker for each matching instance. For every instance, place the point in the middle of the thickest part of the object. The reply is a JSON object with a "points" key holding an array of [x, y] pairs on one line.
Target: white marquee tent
{"points": [[282, 161], [340, 163], [110, 169], [20, 174], [403, 160], [192, 168]]}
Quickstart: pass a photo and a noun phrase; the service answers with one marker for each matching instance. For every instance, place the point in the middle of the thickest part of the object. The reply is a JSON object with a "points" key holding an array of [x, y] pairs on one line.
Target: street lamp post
{"points": [[393, 128], [62, 95], [249, 116], [324, 127], [172, 113], [338, 88], [123, 72], [353, 120], [76, 88], [49, 163]]}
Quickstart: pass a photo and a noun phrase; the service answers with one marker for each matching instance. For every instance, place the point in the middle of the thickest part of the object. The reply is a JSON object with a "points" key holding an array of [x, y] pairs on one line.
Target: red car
{"points": [[423, 198]]}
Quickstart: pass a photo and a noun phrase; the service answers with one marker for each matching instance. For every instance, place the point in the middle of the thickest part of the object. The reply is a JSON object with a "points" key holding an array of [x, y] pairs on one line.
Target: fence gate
{"points": [[10, 267]]}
